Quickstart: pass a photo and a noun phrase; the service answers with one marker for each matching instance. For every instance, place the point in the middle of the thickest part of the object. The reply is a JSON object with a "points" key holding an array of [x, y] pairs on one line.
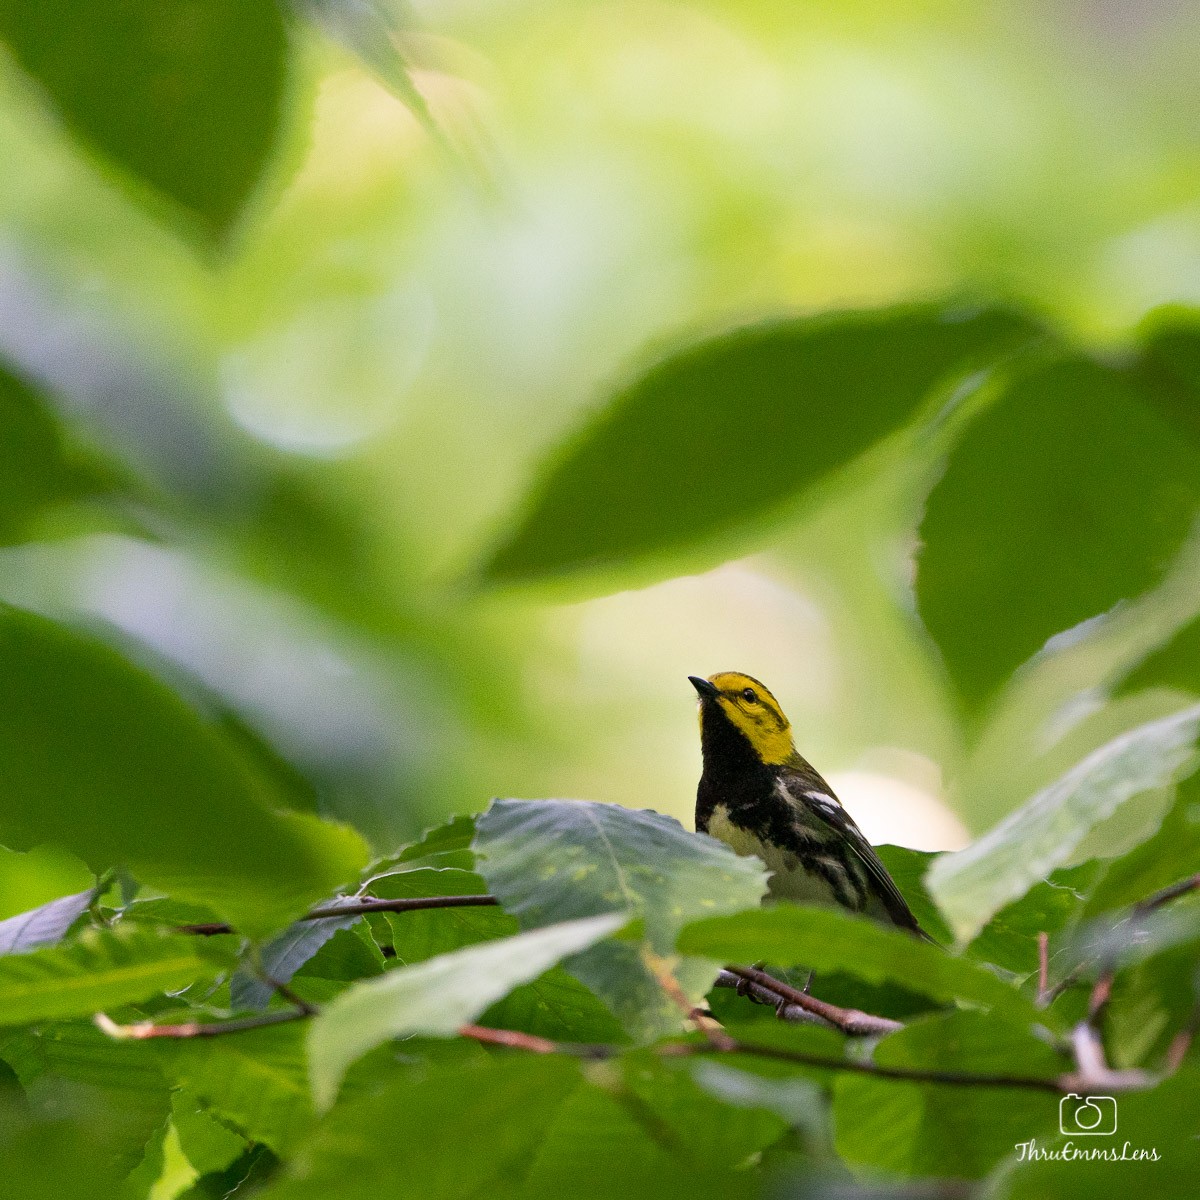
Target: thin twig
{"points": [[1167, 894], [1043, 949], [537, 1045], [368, 905], [510, 1038], [193, 1029], [848, 1020]]}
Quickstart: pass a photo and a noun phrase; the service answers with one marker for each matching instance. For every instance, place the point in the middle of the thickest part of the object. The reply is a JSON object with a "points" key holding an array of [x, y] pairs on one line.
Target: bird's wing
{"points": [[817, 796]]}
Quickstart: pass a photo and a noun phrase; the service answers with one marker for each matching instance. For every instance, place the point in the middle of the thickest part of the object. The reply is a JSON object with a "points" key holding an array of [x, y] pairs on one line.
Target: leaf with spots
{"points": [[554, 860]]}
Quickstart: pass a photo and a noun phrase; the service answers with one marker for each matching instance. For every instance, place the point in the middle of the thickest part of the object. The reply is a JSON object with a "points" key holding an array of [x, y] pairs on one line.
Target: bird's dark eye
{"points": [[750, 695]]}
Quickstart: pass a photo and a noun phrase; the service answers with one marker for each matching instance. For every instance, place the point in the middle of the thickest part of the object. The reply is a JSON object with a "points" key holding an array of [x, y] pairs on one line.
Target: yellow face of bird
{"points": [[754, 711]]}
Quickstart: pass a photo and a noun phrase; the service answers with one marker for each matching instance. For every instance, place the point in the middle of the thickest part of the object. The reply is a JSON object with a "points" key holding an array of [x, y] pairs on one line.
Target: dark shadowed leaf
{"points": [[181, 94], [1069, 494], [104, 759], [554, 859], [284, 955], [971, 885], [934, 1129], [739, 425], [43, 926]]}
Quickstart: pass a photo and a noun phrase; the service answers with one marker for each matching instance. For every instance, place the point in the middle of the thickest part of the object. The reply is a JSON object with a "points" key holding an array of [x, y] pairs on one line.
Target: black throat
{"points": [[734, 775]]}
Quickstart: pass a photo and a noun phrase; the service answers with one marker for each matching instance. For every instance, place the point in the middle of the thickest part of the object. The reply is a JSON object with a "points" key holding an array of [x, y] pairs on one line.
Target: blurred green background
{"points": [[337, 409]]}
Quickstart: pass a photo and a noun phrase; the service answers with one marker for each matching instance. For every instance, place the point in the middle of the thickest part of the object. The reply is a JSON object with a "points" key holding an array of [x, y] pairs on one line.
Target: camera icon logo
{"points": [[1087, 1115]]}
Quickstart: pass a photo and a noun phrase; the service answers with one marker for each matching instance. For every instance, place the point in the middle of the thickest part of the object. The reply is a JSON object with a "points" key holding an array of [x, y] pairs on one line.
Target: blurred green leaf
{"points": [[732, 428], [971, 885], [121, 1078], [1162, 1120], [436, 997], [103, 969], [934, 1129], [184, 95], [1068, 494], [256, 1081], [1172, 854], [102, 758], [646, 1131], [209, 1144], [43, 926], [456, 1133], [827, 939], [1170, 363], [1174, 664], [548, 860], [37, 468]]}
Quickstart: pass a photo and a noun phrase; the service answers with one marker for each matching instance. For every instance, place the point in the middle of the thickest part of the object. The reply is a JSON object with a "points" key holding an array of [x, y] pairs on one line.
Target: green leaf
{"points": [[103, 969], [1009, 939], [208, 1144], [972, 884], [183, 96], [827, 939], [624, 1136], [456, 1133], [1175, 664], [1069, 494], [908, 869], [121, 1078], [105, 760], [549, 860], [43, 926], [256, 1081], [36, 468], [284, 955], [556, 1006], [1162, 1120], [934, 1129], [436, 997], [1172, 854], [730, 429]]}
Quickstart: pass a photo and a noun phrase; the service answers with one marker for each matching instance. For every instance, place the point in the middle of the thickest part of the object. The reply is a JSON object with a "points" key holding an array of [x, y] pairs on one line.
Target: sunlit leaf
{"points": [[553, 859], [436, 997], [972, 884], [183, 96], [728, 430], [1069, 494], [104, 759]]}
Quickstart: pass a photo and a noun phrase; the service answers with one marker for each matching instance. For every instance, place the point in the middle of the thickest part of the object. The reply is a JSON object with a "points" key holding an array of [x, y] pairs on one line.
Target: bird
{"points": [[760, 797]]}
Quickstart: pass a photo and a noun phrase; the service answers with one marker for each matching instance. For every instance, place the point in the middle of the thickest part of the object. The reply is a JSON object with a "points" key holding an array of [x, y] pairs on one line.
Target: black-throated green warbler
{"points": [[759, 796]]}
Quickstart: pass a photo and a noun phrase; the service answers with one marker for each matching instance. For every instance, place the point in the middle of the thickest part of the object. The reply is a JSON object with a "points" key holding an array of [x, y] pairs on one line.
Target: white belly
{"points": [[789, 880]]}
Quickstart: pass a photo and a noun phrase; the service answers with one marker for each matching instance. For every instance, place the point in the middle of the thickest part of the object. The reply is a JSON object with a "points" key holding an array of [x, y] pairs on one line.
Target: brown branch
{"points": [[1167, 894], [848, 1020], [368, 905], [784, 1009], [510, 1038]]}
